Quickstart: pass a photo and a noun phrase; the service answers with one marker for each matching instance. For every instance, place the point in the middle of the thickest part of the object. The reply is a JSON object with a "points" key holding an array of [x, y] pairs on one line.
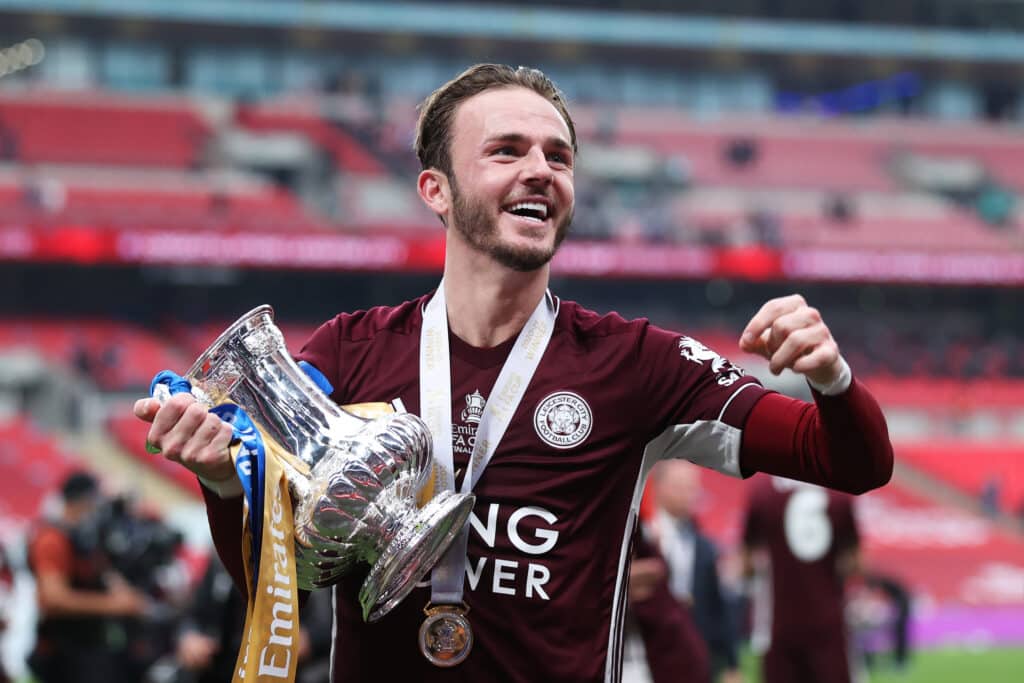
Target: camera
{"points": [[135, 546]]}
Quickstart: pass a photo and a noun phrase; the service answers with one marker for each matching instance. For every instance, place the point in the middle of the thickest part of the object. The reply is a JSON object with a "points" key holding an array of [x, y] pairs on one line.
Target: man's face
{"points": [[79, 510], [512, 177]]}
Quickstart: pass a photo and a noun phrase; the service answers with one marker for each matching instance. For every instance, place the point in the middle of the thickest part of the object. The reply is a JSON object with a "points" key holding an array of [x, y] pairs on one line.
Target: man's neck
{"points": [[488, 303]]}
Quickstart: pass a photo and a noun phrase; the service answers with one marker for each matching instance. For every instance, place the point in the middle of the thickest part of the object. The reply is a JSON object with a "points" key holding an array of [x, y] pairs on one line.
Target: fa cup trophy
{"points": [[354, 481]]}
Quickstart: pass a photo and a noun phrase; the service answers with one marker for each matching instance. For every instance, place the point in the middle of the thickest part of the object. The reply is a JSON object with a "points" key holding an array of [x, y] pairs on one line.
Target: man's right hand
{"points": [[186, 433]]}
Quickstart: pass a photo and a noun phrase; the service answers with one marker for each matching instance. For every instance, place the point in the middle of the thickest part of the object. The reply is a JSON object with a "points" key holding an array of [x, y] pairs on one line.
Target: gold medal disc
{"points": [[445, 635]]}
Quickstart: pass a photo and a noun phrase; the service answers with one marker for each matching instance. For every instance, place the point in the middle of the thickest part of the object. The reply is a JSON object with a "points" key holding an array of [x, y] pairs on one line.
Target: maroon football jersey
{"points": [[555, 508], [803, 529]]}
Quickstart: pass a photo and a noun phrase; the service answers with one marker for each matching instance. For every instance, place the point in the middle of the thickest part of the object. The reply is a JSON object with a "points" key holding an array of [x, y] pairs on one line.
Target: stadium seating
{"points": [[787, 168], [806, 151], [34, 464], [143, 198], [104, 129], [971, 466], [349, 154], [116, 355]]}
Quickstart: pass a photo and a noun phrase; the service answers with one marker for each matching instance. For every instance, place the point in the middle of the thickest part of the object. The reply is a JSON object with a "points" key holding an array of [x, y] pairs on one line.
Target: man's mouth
{"points": [[536, 212]]}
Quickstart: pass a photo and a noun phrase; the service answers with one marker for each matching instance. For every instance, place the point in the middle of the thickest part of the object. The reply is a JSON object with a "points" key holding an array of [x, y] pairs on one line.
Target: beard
{"points": [[480, 229]]}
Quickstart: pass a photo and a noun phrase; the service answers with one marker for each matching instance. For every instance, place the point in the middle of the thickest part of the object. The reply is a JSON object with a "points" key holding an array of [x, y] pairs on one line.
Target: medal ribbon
{"points": [[269, 650], [448, 576]]}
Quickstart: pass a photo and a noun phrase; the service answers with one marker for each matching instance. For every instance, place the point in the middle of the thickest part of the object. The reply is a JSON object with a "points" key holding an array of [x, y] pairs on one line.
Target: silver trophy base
{"points": [[413, 552]]}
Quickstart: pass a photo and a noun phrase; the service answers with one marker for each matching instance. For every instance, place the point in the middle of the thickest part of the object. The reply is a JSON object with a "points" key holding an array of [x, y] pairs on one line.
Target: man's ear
{"points": [[435, 191]]}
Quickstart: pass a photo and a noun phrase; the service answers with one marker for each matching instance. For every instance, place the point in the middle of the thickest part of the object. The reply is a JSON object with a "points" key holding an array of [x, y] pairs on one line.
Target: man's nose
{"points": [[536, 168]]}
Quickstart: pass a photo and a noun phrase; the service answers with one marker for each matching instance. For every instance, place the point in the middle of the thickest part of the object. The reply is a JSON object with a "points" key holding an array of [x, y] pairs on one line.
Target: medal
{"points": [[445, 635]]}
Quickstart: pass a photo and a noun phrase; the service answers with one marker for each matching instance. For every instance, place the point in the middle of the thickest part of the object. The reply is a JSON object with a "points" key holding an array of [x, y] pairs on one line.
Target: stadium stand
{"points": [[348, 153], [104, 197], [822, 182], [971, 467], [115, 355], [103, 129], [34, 463]]}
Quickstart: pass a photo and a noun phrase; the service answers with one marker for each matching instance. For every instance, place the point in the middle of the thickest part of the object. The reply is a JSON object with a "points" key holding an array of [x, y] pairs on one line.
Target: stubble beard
{"points": [[480, 229]]}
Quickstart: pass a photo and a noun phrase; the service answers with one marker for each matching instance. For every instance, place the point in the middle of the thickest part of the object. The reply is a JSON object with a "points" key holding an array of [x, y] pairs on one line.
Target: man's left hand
{"points": [[791, 334]]}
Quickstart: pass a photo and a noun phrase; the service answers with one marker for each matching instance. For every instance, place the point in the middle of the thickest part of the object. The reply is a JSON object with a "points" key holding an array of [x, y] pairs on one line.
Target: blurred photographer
{"points": [[82, 600]]}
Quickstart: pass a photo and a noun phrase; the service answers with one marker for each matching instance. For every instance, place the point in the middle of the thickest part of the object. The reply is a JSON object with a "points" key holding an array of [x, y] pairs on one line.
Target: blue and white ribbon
{"points": [[250, 463]]}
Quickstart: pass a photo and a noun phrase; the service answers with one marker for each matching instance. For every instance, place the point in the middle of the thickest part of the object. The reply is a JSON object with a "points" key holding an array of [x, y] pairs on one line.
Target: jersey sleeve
{"points": [[695, 400], [50, 553], [225, 517], [841, 442]]}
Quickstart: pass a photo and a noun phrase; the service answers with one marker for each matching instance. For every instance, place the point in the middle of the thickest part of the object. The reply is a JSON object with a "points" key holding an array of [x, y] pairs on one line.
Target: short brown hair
{"points": [[434, 127]]}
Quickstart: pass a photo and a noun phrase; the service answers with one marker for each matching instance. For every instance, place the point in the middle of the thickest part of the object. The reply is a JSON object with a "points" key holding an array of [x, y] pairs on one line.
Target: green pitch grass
{"points": [[940, 666]]}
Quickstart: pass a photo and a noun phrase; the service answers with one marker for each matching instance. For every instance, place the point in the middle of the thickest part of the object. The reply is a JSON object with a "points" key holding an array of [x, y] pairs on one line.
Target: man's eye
{"points": [[506, 150]]}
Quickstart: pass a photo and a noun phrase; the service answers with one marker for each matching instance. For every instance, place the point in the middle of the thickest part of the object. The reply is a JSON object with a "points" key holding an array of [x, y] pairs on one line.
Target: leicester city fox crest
{"points": [[695, 352], [563, 419]]}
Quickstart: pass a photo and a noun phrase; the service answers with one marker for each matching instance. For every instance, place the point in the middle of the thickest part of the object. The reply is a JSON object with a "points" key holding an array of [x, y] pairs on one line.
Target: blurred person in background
{"points": [[801, 544], [593, 402], [209, 634], [693, 564], [895, 620], [82, 601], [674, 651]]}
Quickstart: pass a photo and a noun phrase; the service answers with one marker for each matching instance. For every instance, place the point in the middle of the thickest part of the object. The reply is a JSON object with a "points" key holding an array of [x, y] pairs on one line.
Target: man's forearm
{"points": [[225, 518], [841, 442]]}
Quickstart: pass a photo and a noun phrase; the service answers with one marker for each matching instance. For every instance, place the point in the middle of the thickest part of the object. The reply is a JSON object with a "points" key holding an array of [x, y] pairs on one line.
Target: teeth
{"points": [[541, 209]]}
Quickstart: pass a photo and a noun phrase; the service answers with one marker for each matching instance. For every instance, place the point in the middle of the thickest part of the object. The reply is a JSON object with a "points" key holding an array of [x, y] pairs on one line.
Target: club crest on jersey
{"points": [[474, 407], [695, 352], [563, 419]]}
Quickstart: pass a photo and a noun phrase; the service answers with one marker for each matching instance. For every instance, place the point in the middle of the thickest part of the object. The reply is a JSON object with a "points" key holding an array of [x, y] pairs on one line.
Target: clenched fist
{"points": [[791, 334]]}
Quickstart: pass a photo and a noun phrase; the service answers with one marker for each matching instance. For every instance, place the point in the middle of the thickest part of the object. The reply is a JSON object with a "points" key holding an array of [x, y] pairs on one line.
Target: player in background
{"points": [[800, 545]]}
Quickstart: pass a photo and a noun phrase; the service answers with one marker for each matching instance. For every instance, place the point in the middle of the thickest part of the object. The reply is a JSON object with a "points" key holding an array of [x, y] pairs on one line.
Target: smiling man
{"points": [[550, 413]]}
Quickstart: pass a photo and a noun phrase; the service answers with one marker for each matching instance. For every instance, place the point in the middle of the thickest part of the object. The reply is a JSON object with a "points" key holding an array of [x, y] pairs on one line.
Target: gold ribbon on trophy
{"points": [[269, 649], [270, 644]]}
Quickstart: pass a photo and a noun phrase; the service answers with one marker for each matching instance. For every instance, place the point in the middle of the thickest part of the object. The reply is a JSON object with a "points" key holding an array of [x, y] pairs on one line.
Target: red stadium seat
{"points": [[348, 153], [104, 129]]}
